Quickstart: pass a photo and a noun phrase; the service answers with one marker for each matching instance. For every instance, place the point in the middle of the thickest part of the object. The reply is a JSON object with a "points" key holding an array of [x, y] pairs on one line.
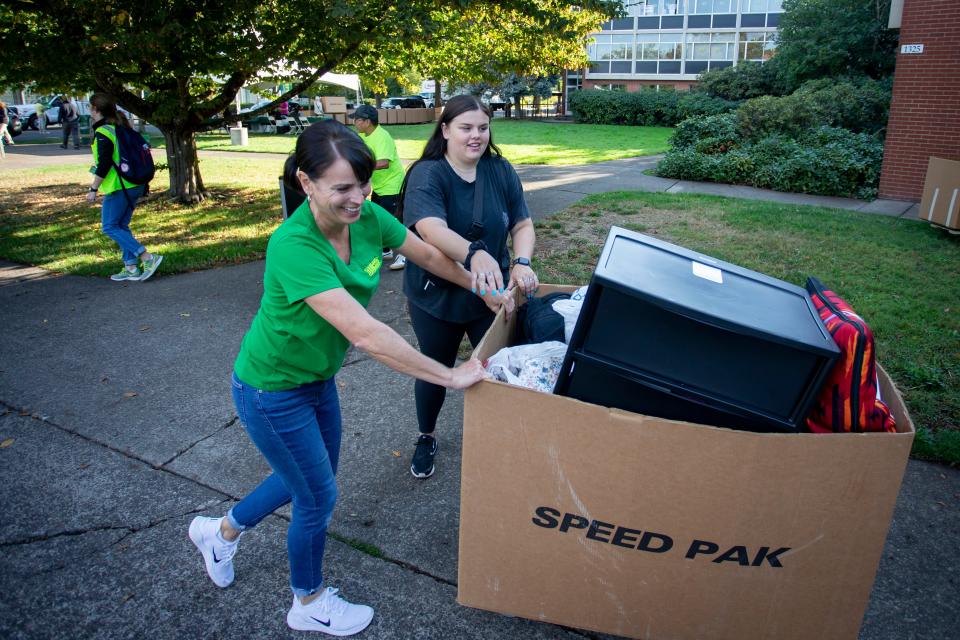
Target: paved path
{"points": [[116, 427]]}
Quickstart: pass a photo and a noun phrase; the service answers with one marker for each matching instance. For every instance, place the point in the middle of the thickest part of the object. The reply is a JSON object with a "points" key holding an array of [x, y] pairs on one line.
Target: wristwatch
{"points": [[524, 261]]}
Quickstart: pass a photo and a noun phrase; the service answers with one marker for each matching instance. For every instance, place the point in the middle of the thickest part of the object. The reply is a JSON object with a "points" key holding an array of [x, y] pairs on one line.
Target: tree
{"points": [[189, 59], [829, 38], [514, 87], [489, 43]]}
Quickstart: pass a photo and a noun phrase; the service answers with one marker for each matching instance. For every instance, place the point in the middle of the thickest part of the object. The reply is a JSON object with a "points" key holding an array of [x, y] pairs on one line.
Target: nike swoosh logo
{"points": [[326, 624], [216, 560]]}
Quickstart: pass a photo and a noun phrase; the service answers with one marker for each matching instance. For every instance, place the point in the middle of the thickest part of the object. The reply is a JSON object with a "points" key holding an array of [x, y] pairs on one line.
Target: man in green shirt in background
{"points": [[388, 173]]}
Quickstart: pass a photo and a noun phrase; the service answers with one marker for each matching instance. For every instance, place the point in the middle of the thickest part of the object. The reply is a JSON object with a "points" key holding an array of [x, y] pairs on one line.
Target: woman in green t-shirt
{"points": [[322, 268]]}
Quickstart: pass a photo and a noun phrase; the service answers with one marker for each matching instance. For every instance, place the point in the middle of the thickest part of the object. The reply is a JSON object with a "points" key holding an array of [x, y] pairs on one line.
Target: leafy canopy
{"points": [[192, 57], [828, 38]]}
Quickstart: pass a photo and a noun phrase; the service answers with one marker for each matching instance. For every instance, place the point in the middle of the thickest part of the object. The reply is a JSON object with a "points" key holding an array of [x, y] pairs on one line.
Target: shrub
{"points": [[744, 81], [647, 107], [861, 104], [697, 103], [767, 115], [825, 161], [693, 131]]}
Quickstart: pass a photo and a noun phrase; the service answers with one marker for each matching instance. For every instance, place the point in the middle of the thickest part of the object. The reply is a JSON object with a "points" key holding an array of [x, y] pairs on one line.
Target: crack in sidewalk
{"points": [[190, 446]]}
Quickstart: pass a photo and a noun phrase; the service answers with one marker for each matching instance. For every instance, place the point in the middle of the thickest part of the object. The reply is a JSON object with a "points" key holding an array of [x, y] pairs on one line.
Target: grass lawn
{"points": [[900, 275], [46, 221], [522, 142]]}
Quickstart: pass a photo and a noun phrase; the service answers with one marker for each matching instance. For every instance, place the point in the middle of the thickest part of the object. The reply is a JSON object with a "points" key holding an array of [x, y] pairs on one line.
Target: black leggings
{"points": [[439, 340]]}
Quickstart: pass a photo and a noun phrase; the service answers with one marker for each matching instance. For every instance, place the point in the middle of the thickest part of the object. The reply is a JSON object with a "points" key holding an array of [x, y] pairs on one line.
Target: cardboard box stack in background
{"points": [[621, 523], [333, 104], [940, 204]]}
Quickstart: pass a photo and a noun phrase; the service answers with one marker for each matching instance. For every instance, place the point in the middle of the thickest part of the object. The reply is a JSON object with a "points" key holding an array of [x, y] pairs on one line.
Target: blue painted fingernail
{"points": [[473, 290], [483, 292]]}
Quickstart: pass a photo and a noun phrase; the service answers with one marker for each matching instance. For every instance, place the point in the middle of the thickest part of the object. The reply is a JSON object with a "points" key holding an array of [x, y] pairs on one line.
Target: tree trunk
{"points": [[516, 106], [186, 185]]}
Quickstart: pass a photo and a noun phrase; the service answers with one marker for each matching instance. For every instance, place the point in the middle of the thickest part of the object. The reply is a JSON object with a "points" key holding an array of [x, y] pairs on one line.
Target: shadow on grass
{"points": [[50, 226]]}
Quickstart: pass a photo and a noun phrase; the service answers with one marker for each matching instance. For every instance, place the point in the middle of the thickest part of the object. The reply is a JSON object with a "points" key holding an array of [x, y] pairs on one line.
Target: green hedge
{"points": [[826, 161], [647, 107]]}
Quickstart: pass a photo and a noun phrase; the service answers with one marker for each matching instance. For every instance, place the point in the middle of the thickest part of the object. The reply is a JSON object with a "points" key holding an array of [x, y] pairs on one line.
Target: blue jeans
{"points": [[298, 432], [115, 220]]}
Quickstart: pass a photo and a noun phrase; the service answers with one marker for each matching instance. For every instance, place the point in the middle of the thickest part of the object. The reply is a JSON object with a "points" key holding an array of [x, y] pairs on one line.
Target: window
{"points": [[641, 8], [610, 87], [756, 46], [610, 47], [761, 6], [710, 46], [665, 46], [713, 6]]}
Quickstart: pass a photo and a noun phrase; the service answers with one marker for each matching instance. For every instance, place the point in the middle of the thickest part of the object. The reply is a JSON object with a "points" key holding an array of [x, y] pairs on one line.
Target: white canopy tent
{"points": [[347, 80]]}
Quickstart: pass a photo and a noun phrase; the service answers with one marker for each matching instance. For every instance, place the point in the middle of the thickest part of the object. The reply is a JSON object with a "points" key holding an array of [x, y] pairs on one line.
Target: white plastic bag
{"points": [[570, 310], [534, 366]]}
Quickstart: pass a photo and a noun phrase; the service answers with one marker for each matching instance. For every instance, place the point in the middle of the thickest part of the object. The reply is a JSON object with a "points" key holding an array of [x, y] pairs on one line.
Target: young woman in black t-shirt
{"points": [[440, 203]]}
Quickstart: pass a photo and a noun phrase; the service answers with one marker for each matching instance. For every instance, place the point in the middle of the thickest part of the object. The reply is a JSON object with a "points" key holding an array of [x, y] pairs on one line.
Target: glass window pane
{"points": [[671, 7], [754, 51], [650, 51], [723, 37], [702, 6], [701, 52], [721, 6], [775, 5], [647, 37]]}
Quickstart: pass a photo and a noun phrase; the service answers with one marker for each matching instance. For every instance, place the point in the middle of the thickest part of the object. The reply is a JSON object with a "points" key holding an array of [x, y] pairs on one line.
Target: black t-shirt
{"points": [[434, 190]]}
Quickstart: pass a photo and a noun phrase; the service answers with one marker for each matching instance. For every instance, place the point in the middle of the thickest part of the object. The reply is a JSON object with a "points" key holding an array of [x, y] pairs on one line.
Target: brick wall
{"points": [[925, 112]]}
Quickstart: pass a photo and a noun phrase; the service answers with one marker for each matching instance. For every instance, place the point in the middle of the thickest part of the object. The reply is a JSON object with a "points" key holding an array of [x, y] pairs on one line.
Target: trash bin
{"points": [[238, 136], [84, 127]]}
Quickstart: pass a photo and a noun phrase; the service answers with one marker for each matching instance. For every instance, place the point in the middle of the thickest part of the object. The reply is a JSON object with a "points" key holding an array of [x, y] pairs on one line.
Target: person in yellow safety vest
{"points": [[119, 196]]}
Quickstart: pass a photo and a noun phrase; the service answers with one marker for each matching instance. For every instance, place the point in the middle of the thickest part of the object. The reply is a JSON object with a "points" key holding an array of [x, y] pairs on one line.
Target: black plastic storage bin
{"points": [[669, 332]]}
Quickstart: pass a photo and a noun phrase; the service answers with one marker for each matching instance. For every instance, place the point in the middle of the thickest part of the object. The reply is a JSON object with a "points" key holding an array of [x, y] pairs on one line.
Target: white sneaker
{"points": [[329, 613], [398, 264], [217, 552], [386, 255]]}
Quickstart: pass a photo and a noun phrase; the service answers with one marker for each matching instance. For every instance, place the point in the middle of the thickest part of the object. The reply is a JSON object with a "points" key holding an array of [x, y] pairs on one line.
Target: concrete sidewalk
{"points": [[117, 427]]}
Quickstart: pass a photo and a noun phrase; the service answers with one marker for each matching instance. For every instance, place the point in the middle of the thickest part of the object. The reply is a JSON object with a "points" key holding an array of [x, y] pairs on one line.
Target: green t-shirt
{"points": [[288, 343], [385, 182]]}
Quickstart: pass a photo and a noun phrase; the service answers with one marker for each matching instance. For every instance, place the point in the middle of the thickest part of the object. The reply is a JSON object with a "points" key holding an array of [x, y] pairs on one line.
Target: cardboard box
{"points": [[941, 193], [333, 104], [616, 522], [340, 117]]}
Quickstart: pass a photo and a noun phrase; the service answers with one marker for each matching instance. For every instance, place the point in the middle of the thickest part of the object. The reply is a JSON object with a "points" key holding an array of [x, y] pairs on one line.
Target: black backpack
{"points": [[136, 162]]}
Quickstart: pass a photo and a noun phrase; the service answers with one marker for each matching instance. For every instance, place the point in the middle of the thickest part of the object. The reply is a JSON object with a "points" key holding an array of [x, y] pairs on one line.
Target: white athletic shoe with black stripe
{"points": [[217, 553], [329, 613]]}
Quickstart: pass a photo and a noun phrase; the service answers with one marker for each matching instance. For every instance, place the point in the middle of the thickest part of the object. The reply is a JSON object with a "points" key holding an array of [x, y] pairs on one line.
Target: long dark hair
{"points": [[319, 146], [436, 146], [107, 107]]}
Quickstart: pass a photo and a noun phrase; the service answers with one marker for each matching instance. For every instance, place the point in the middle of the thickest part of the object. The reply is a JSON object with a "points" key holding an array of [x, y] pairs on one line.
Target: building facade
{"points": [[670, 42], [925, 111]]}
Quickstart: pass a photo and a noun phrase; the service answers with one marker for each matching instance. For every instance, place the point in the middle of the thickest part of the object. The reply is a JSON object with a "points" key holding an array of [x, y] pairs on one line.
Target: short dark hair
{"points": [[319, 146]]}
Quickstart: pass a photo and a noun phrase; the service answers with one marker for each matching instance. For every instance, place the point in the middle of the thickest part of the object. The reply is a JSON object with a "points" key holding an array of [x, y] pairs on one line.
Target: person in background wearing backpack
{"points": [[119, 195], [69, 118], [5, 136]]}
